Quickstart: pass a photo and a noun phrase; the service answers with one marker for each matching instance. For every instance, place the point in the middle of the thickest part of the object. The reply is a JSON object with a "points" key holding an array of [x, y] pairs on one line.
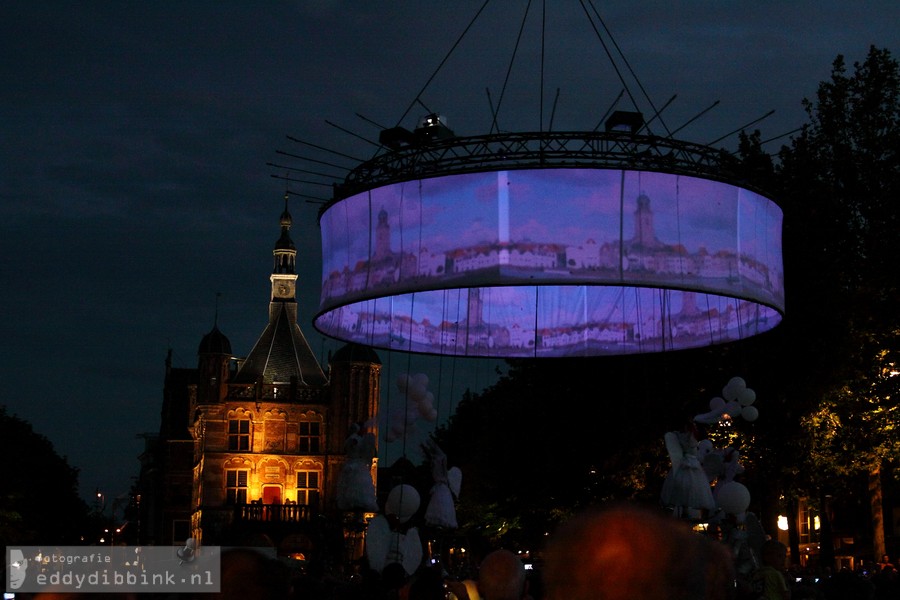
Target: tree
{"points": [[824, 373], [552, 437], [841, 179], [39, 501]]}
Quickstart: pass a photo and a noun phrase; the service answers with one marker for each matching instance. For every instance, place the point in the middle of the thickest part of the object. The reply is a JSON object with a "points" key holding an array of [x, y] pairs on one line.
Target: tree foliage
{"points": [[554, 436], [842, 180], [39, 501]]}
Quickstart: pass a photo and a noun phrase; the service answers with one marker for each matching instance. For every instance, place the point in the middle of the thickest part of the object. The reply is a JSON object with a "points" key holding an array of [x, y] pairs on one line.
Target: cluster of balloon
{"points": [[733, 498], [389, 539], [736, 402], [419, 404]]}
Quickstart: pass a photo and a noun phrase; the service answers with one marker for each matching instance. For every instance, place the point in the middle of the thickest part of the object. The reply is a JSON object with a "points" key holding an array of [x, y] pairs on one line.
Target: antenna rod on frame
{"points": [[348, 132], [321, 162], [656, 115], [609, 110], [308, 172], [739, 129], [335, 152], [368, 120], [694, 118]]}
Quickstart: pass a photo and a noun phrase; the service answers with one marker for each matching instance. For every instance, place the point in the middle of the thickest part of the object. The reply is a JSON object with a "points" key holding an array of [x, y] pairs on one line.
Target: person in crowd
{"points": [[769, 580], [886, 581], [501, 576], [626, 551], [427, 584], [248, 573]]}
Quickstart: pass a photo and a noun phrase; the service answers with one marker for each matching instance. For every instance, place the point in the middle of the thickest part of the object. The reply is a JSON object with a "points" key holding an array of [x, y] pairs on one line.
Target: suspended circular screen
{"points": [[560, 260]]}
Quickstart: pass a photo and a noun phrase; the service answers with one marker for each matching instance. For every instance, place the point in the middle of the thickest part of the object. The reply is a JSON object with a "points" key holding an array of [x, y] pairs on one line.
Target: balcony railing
{"points": [[271, 513]]}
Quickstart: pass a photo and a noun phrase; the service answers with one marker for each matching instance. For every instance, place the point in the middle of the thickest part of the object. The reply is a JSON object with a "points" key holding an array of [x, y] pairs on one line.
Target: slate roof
{"points": [[281, 353], [214, 342], [353, 352]]}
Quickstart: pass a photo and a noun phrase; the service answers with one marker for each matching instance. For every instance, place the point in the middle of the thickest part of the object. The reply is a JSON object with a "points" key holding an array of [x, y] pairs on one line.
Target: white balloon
{"points": [[733, 388], [737, 383], [750, 413], [425, 409], [421, 379], [403, 502], [733, 408], [403, 381], [733, 497], [432, 416], [717, 403], [713, 416], [747, 397]]}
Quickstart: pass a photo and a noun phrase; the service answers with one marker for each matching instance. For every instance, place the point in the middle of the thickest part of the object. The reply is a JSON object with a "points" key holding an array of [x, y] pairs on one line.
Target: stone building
{"points": [[252, 447]]}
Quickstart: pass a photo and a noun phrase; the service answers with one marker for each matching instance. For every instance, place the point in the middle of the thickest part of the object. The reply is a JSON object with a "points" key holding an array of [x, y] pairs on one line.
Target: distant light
{"points": [[783, 523], [816, 522]]}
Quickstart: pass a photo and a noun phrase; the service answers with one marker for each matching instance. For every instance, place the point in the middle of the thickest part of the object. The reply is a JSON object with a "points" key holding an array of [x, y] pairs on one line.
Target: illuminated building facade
{"points": [[253, 446]]}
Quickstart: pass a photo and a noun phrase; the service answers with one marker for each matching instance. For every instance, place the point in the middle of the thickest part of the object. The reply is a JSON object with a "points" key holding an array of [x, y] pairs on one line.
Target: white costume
{"points": [[686, 488], [388, 540], [441, 510], [356, 490]]}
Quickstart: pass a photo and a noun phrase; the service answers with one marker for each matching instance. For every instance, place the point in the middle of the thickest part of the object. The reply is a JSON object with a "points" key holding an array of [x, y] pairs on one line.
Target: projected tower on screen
{"points": [[551, 262]]}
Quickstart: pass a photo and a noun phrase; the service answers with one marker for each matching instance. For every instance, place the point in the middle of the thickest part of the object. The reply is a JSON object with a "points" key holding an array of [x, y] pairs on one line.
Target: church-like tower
{"points": [[475, 309], [284, 272], [259, 440], [382, 237], [644, 232]]}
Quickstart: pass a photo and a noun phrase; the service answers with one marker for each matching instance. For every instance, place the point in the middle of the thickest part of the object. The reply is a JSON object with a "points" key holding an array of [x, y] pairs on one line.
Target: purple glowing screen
{"points": [[551, 262]]}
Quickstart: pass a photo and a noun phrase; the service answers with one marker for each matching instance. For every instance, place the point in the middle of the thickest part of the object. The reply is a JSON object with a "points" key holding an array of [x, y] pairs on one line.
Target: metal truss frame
{"points": [[591, 149]]}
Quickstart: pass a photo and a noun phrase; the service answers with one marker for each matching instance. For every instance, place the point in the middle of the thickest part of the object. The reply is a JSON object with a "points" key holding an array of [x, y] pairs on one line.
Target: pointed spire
{"points": [[286, 216], [281, 353], [285, 252]]}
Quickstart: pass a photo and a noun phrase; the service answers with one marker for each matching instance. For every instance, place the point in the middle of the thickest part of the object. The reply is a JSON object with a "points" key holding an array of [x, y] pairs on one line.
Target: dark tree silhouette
{"points": [[841, 182], [39, 501], [552, 437]]}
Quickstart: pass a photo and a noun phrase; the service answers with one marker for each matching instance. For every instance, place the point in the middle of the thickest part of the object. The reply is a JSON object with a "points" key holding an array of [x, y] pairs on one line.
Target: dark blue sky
{"points": [[135, 137]]}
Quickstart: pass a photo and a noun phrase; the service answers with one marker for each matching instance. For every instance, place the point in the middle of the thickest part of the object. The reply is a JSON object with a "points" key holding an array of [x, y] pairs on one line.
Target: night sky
{"points": [[134, 183]]}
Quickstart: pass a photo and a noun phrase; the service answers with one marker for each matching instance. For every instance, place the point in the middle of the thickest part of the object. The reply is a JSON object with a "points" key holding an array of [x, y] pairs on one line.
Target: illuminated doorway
{"points": [[271, 494]]}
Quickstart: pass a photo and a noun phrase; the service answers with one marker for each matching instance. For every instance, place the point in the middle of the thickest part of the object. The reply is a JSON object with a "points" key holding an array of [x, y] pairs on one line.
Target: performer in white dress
{"points": [[356, 490], [441, 510], [686, 489]]}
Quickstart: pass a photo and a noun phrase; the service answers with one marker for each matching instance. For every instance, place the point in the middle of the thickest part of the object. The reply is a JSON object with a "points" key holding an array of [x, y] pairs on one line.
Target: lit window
{"points": [[239, 434], [236, 486], [308, 487], [310, 432]]}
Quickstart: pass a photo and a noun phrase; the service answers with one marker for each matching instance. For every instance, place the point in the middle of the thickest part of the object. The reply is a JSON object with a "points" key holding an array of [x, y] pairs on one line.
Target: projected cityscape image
{"points": [[551, 262]]}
